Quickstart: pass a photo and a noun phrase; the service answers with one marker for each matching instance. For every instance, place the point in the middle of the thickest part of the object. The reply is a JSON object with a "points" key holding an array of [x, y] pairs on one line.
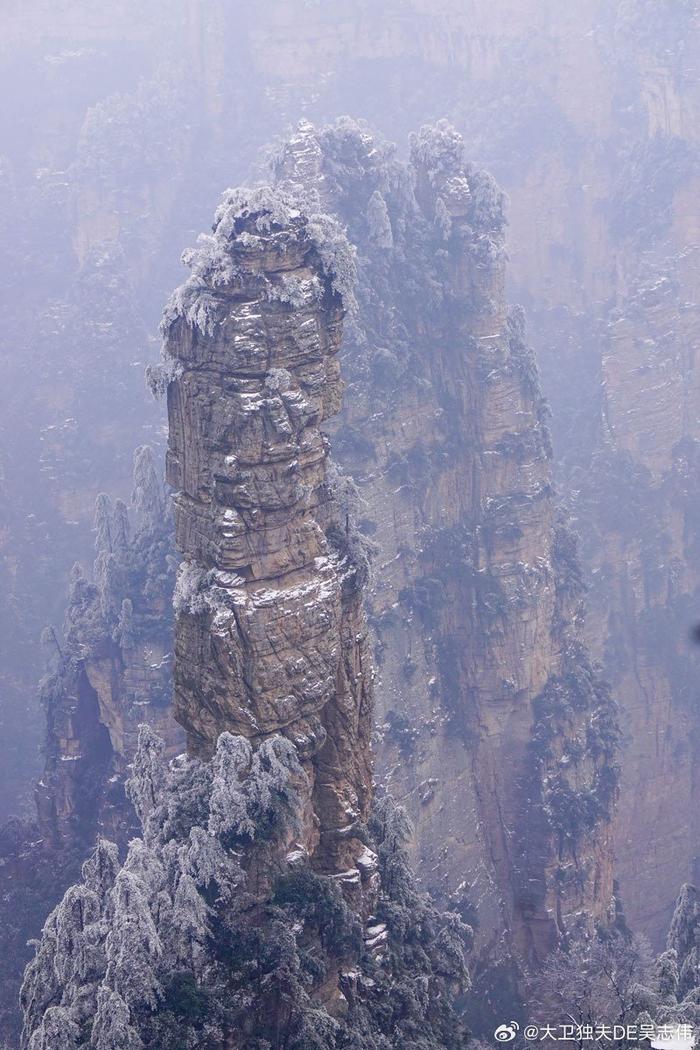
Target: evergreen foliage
{"points": [[133, 572], [177, 947], [612, 978]]}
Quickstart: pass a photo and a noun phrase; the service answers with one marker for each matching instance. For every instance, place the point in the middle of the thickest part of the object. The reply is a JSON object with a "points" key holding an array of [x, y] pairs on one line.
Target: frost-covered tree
{"points": [[188, 595], [120, 526], [112, 1027], [41, 987], [665, 976], [58, 1030], [681, 933], [101, 868], [133, 947], [346, 536], [270, 789], [488, 202], [51, 648], [189, 925], [125, 633], [378, 222], [146, 784], [684, 938], [595, 979], [228, 805], [438, 148], [109, 579], [78, 584], [443, 221], [147, 495], [159, 376], [75, 957], [103, 523], [337, 256], [208, 863], [208, 928], [392, 831]]}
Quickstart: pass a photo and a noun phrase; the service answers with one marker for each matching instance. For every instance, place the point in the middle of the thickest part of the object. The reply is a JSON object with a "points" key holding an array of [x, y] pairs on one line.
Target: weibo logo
{"points": [[506, 1032]]}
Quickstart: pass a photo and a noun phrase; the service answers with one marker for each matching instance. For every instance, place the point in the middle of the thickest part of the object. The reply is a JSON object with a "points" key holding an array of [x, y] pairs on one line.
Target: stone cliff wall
{"points": [[495, 732], [262, 887]]}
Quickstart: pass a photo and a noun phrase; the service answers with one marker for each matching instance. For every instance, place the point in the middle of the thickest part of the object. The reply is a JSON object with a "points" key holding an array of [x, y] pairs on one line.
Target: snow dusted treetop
{"points": [[221, 257]]}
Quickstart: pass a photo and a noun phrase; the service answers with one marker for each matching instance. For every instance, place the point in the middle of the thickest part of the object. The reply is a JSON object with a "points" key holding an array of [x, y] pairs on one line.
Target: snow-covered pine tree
{"points": [[443, 221], [147, 495], [172, 948], [146, 784], [378, 222], [684, 938], [112, 1026], [103, 523], [124, 632], [120, 526]]}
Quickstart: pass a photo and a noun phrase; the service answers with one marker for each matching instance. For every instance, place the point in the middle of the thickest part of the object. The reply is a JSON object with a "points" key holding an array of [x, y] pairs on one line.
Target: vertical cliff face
{"points": [[647, 588], [496, 732], [638, 509], [630, 459], [270, 634]]}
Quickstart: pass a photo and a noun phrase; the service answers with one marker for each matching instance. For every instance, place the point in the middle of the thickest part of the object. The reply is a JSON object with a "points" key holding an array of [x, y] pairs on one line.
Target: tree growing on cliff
{"points": [[379, 223], [437, 148], [103, 523], [147, 495], [684, 939], [598, 979], [125, 632], [112, 1025], [119, 526]]}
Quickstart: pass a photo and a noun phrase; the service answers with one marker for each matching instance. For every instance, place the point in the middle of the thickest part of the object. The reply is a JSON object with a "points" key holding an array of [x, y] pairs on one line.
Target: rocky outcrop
{"points": [[111, 671], [496, 732], [270, 634], [261, 889]]}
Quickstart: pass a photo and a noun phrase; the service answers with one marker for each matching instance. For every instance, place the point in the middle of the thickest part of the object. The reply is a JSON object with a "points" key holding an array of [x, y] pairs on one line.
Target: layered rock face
{"points": [[270, 635], [638, 507], [496, 732]]}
